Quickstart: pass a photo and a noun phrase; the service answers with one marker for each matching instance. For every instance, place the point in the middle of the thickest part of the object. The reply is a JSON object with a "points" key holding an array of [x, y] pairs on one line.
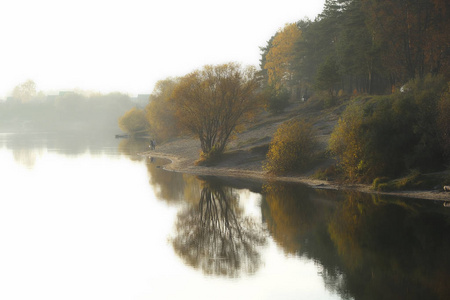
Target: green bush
{"points": [[388, 135], [379, 181]]}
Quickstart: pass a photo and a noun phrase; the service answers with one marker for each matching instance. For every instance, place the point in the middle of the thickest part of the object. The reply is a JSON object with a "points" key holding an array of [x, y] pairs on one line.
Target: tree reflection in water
{"points": [[215, 235], [393, 249], [172, 187], [131, 147], [367, 246], [297, 218]]}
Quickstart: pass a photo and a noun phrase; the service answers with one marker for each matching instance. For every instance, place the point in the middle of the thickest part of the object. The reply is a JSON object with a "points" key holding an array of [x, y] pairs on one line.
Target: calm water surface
{"points": [[86, 218]]}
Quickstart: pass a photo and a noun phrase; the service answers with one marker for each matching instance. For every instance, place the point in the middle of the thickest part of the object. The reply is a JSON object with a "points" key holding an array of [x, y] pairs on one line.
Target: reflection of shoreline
{"points": [[28, 147], [68, 143], [129, 147], [183, 161], [171, 187], [367, 247]]}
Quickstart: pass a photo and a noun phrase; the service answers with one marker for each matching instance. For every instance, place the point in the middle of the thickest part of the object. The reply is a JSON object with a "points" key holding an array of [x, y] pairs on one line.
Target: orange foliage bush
{"points": [[293, 146]]}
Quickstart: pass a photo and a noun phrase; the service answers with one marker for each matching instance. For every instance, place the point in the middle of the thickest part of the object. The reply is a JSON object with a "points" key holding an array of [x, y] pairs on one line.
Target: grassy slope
{"points": [[248, 149]]}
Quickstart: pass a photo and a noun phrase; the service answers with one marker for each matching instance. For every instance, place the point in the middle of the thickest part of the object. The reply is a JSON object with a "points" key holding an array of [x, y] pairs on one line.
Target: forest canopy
{"points": [[367, 46]]}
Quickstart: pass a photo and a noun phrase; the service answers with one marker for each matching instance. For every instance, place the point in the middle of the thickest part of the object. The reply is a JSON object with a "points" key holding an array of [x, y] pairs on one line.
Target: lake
{"points": [[83, 217]]}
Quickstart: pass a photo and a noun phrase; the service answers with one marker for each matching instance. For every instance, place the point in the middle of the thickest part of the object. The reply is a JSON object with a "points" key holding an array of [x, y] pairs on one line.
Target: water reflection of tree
{"points": [[63, 143], [392, 250], [131, 147], [27, 157], [172, 187], [366, 247], [294, 212], [215, 235], [296, 218]]}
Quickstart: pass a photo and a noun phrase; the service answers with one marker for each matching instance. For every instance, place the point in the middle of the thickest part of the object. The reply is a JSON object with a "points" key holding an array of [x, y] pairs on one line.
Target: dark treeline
{"points": [[360, 46], [387, 62]]}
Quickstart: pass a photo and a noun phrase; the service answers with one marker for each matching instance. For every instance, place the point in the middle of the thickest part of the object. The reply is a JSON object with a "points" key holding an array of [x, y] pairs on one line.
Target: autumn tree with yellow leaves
{"points": [[25, 92], [280, 57], [345, 141], [278, 64], [134, 122], [214, 101], [160, 111]]}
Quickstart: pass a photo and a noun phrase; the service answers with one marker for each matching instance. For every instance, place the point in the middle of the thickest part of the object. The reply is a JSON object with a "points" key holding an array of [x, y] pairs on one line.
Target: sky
{"points": [[128, 45]]}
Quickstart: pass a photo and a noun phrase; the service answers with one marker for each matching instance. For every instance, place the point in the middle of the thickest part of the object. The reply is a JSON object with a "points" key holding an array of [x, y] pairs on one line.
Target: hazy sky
{"points": [[128, 45]]}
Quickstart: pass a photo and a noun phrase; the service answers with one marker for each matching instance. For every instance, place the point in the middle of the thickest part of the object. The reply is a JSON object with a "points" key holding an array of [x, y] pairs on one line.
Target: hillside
{"points": [[248, 149], [246, 153]]}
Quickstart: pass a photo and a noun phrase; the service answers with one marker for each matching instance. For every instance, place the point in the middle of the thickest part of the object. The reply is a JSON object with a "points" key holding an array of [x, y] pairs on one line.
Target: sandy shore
{"points": [[244, 164]]}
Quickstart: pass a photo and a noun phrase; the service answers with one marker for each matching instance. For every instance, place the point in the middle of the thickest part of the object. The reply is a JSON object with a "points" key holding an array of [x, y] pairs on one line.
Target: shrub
{"points": [[293, 146], [388, 135], [209, 158], [414, 180], [134, 122], [329, 173], [345, 141], [379, 181], [160, 111]]}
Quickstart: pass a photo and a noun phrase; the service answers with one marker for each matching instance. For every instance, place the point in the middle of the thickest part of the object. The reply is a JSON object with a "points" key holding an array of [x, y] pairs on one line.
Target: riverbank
{"points": [[247, 164], [246, 153]]}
